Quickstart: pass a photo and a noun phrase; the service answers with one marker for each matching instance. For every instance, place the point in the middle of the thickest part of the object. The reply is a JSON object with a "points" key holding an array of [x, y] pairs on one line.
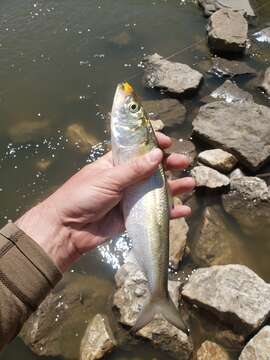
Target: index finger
{"points": [[164, 141]]}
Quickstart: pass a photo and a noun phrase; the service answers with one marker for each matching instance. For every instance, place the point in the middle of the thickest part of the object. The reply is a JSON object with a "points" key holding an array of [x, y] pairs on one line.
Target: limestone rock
{"points": [[207, 177], [263, 35], [211, 351], [131, 295], [215, 242], [228, 31], [178, 240], [234, 293], [158, 125], [98, 339], [266, 82], [79, 138], [171, 76], [241, 128], [218, 159], [258, 348], [243, 6], [170, 111], [224, 67], [236, 173], [230, 92]]}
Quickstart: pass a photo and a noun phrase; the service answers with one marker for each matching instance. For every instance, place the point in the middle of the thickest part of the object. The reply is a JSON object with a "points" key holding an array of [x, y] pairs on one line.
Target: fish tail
{"points": [[163, 306]]}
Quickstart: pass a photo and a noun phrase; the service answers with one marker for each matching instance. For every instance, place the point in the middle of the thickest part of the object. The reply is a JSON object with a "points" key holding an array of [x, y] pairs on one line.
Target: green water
{"points": [[60, 61]]}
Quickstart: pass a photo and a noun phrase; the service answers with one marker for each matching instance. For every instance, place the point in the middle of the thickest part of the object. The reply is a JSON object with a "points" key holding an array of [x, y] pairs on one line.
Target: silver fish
{"points": [[145, 205]]}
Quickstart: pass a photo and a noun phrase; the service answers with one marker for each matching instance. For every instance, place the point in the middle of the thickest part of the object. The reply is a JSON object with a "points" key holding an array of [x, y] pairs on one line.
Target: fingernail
{"points": [[155, 155]]}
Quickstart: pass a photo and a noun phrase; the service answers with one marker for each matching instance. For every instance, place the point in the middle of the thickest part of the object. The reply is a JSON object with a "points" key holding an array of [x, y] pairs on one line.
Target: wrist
{"points": [[43, 224]]}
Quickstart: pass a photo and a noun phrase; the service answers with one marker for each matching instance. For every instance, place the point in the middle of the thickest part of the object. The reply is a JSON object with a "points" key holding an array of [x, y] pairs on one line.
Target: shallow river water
{"points": [[60, 61]]}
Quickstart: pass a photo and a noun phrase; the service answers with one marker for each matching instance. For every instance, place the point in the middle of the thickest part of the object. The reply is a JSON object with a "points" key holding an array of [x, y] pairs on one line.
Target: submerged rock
{"points": [[24, 131], [265, 85], [228, 31], [258, 348], [184, 147], [234, 293], [218, 159], [241, 128], [58, 325], [263, 35], [207, 177], [171, 76], [212, 351], [158, 125], [243, 6], [131, 294], [79, 138], [170, 111], [230, 92], [98, 339], [215, 242], [249, 203], [231, 68]]}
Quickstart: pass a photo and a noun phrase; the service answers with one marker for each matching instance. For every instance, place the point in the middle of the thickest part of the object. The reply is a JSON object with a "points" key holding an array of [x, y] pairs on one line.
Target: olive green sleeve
{"points": [[27, 275]]}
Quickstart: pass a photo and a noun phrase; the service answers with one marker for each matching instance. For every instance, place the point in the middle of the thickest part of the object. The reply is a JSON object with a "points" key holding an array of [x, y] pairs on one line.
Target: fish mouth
{"points": [[123, 91]]}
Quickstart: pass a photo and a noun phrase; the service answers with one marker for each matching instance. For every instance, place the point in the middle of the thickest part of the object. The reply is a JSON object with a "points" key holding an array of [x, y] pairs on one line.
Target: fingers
{"points": [[164, 141], [176, 161], [180, 211], [181, 186], [128, 174]]}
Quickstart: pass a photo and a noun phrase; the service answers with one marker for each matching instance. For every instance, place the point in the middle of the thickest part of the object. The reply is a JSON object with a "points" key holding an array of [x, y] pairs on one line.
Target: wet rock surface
{"points": [[98, 339], [184, 147], [243, 6], [234, 293], [258, 348], [170, 111], [79, 138], [208, 177], [218, 159], [231, 68], [228, 31], [241, 128], [171, 76], [263, 35], [265, 85], [249, 203], [131, 294], [212, 351], [57, 327], [230, 92], [216, 242]]}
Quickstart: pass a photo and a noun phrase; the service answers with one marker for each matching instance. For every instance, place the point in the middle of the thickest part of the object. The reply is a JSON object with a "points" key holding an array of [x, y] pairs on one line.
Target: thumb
{"points": [[136, 170]]}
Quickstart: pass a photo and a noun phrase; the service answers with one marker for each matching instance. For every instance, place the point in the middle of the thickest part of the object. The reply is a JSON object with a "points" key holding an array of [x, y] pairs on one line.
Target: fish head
{"points": [[129, 123]]}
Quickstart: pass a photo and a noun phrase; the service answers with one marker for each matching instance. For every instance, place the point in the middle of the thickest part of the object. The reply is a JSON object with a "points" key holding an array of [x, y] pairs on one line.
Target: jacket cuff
{"points": [[25, 269]]}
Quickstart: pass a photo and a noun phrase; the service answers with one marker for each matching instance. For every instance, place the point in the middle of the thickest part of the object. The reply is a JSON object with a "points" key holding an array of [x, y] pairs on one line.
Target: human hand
{"points": [[85, 211]]}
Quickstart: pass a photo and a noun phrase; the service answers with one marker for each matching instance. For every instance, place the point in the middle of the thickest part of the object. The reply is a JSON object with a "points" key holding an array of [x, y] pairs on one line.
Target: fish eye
{"points": [[134, 107]]}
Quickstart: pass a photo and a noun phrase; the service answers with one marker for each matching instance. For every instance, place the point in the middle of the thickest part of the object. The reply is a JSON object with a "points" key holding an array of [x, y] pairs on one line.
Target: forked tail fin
{"points": [[163, 306]]}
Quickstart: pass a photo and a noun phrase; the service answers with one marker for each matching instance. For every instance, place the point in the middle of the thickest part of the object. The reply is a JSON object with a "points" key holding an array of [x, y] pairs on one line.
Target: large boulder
{"points": [[230, 92], [258, 348], [131, 295], [228, 31], [208, 177], [234, 293], [241, 128], [249, 203], [263, 35], [265, 85], [171, 76], [212, 351], [218, 159], [57, 327], [215, 241], [243, 6], [230, 68], [98, 339], [170, 111]]}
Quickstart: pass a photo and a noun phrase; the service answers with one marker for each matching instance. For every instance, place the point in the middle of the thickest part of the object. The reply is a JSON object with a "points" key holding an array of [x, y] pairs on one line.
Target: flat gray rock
{"points": [[170, 111], [230, 92], [258, 348], [131, 295], [241, 128], [208, 177], [265, 85], [98, 339], [210, 6], [218, 159], [228, 31], [224, 67], [234, 293], [212, 351], [263, 36], [171, 76]]}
